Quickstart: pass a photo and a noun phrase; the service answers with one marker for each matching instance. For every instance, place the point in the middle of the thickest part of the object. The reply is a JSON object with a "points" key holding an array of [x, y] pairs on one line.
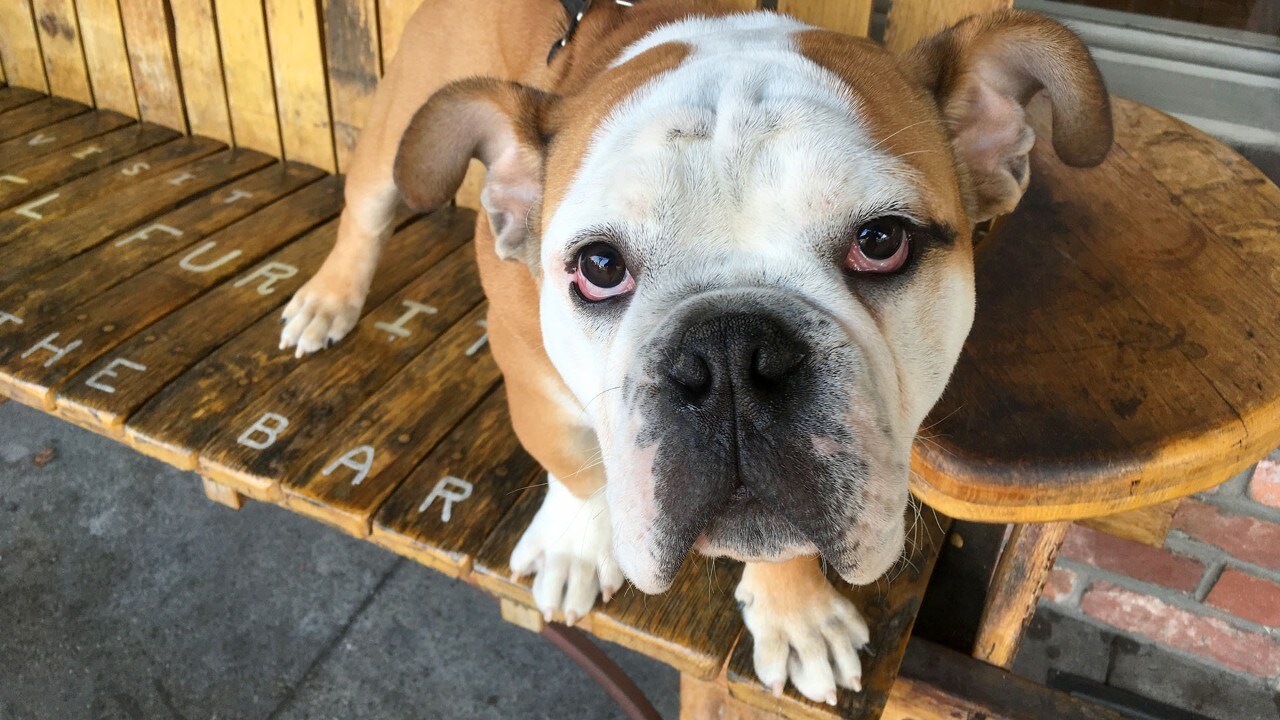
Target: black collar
{"points": [[575, 9]]}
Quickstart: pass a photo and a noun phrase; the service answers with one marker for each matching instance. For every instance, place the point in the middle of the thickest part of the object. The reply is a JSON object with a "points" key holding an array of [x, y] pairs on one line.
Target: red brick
{"points": [[1060, 585], [1132, 559], [1264, 486], [1247, 596], [1207, 637], [1249, 539]]}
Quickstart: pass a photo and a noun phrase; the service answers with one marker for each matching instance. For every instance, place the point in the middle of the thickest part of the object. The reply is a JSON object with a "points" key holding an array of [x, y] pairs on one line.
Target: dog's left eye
{"points": [[881, 245], [602, 273]]}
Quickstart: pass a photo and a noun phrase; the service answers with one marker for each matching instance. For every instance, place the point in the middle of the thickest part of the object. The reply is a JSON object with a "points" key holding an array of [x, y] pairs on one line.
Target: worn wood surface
{"points": [[1016, 585], [32, 116], [14, 97], [246, 65], [889, 607], [852, 17], [105, 56], [60, 44], [355, 64], [52, 138], [204, 92], [26, 180], [155, 73], [1089, 385], [911, 21], [20, 47], [1149, 525], [302, 99]]}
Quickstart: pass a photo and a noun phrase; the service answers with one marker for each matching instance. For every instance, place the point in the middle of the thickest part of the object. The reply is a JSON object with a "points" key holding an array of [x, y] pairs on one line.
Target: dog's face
{"points": [[756, 277]]}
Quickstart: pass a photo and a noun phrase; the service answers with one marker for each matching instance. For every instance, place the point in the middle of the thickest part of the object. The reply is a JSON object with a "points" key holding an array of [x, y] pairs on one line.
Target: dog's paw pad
{"points": [[568, 547], [321, 313]]}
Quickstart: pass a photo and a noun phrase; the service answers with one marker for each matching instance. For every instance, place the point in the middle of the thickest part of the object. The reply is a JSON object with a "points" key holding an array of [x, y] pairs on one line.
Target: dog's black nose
{"points": [[738, 362]]}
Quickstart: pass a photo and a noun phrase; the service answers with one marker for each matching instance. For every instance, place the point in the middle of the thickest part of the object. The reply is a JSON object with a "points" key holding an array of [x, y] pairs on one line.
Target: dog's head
{"points": [[753, 242]]}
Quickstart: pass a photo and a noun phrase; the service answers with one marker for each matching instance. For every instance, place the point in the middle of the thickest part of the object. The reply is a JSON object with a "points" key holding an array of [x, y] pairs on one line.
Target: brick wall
{"points": [[1212, 592]]}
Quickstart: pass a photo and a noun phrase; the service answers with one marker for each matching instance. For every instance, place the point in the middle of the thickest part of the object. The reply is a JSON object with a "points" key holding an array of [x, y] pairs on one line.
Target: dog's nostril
{"points": [[692, 374], [772, 363]]}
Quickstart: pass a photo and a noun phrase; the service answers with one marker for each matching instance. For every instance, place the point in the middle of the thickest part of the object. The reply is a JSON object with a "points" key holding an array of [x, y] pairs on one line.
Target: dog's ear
{"points": [[500, 123], [983, 71]]}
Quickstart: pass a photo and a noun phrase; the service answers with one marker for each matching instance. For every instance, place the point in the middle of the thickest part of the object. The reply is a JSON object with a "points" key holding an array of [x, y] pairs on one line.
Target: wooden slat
{"points": [[889, 607], [25, 181], [54, 137], [302, 98], [200, 67], [1149, 525], [482, 452], [24, 231], [246, 62], [20, 46], [171, 352], [319, 406], [355, 64], [13, 97], [392, 18], [114, 316], [394, 429], [155, 75], [64, 63], [911, 21], [744, 5], [186, 415], [852, 17], [36, 115], [105, 55], [43, 297], [1019, 578]]}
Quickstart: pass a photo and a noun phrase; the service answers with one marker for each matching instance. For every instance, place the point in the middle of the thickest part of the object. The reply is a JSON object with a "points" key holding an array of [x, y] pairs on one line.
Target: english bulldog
{"points": [[728, 260]]}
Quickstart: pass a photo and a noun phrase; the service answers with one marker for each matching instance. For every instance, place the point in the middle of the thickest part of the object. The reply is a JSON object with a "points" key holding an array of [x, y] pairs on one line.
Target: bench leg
{"points": [[574, 643], [1015, 589], [222, 494]]}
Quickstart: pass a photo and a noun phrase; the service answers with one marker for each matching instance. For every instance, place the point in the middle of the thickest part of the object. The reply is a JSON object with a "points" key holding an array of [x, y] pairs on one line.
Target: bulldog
{"points": [[728, 260]]}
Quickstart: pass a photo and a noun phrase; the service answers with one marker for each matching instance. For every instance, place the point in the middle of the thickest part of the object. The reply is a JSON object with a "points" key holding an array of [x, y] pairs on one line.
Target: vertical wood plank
{"points": [[60, 43], [105, 55], [200, 67], [393, 16], [743, 5], [355, 64], [155, 75], [910, 21], [1016, 586], [852, 17], [302, 95], [20, 47], [246, 63]]}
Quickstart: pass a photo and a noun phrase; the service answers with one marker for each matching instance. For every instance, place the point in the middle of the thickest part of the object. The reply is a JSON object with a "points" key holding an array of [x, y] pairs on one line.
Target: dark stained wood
{"points": [[113, 316], [189, 412], [57, 136], [35, 115], [50, 294], [24, 181], [481, 451], [1019, 578], [351, 48], [1112, 365], [890, 607], [177, 342], [94, 193], [14, 97]]}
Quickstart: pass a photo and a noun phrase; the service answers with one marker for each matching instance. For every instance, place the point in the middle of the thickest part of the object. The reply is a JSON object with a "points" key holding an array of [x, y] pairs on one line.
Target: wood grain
{"points": [[33, 116], [482, 451], [60, 43], [1153, 395], [889, 607], [246, 64], [302, 95], [20, 47], [190, 411], [852, 17], [106, 57], [155, 73], [911, 21], [49, 171], [354, 58], [1019, 578], [204, 92], [14, 97], [1148, 525], [51, 138]]}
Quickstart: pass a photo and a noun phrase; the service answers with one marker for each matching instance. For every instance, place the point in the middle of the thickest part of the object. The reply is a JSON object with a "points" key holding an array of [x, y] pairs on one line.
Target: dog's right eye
{"points": [[602, 273]]}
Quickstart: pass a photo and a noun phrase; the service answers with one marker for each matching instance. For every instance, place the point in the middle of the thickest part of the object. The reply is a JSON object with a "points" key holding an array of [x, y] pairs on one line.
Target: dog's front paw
{"points": [[802, 628], [569, 545], [321, 313]]}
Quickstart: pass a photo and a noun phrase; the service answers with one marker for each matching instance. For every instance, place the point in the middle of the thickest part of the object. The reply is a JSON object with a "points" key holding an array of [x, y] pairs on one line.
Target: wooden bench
{"points": [[147, 245]]}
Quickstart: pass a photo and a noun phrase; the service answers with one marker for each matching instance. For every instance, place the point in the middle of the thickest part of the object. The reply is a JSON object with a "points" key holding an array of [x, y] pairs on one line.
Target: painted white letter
{"points": [[82, 154], [272, 432], [135, 168], [58, 352], [29, 210], [186, 263], [6, 317], [182, 178], [361, 466], [110, 371], [237, 194], [397, 328], [450, 489], [145, 232], [272, 271]]}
